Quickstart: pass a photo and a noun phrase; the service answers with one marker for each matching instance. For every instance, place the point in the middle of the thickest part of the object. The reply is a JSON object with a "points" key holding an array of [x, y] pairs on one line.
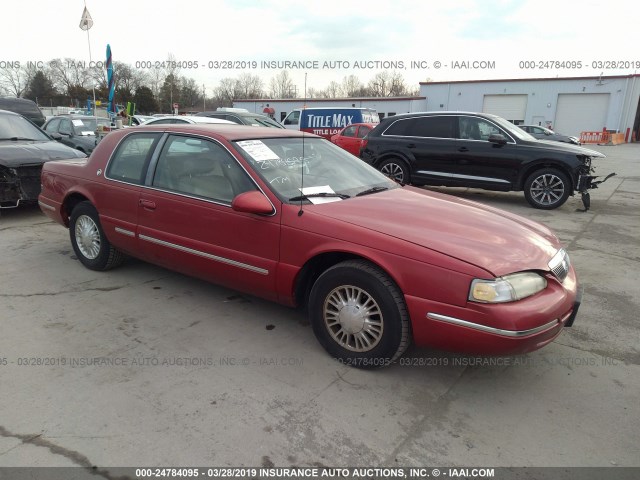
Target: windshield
{"points": [[85, 126], [16, 127], [264, 122], [512, 129], [314, 167]]}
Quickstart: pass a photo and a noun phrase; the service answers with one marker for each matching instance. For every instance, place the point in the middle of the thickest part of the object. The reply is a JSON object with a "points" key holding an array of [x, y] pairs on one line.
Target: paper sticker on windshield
{"points": [[77, 122], [320, 189], [258, 150]]}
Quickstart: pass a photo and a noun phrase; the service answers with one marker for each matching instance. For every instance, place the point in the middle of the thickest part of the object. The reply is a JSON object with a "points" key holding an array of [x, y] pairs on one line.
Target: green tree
{"points": [[145, 101], [41, 89]]}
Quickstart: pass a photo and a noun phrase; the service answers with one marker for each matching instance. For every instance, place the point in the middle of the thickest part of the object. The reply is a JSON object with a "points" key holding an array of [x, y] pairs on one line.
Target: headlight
{"points": [[506, 289]]}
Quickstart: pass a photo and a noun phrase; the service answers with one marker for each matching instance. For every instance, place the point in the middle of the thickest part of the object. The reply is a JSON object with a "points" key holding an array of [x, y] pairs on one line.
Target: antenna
{"points": [[300, 212]]}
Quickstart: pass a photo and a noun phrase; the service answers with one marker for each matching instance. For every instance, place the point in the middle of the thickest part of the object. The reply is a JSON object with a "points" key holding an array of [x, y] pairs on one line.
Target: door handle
{"points": [[148, 204], [411, 145], [463, 149]]}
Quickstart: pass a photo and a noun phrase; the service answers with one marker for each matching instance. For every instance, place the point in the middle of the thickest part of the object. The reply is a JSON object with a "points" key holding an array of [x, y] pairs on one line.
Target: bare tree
{"points": [[333, 90], [281, 86], [68, 74], [352, 86], [15, 79], [227, 91], [249, 86]]}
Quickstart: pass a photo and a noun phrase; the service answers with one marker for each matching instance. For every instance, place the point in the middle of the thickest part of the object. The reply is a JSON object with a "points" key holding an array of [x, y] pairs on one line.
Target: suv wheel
{"points": [[547, 188], [396, 170]]}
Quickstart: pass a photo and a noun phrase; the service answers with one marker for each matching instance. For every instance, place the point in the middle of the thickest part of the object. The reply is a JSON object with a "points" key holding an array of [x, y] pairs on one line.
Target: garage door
{"points": [[511, 107], [581, 112]]}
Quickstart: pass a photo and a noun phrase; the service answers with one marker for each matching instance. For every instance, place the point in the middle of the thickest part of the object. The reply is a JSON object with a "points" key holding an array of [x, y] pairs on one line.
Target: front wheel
{"points": [[89, 241], [358, 315], [396, 170], [547, 188]]}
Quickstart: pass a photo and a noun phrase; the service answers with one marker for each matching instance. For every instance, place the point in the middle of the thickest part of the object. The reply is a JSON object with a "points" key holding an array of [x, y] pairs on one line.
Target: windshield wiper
{"points": [[15, 139], [320, 194], [371, 190]]}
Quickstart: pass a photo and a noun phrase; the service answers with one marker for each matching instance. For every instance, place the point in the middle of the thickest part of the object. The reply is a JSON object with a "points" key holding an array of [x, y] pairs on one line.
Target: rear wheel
{"points": [[547, 188], [396, 170], [358, 315], [89, 241]]}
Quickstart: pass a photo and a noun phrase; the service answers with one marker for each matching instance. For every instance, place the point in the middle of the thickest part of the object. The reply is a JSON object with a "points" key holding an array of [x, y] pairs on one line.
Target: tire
{"points": [[396, 170], [89, 241], [358, 315], [547, 188]]}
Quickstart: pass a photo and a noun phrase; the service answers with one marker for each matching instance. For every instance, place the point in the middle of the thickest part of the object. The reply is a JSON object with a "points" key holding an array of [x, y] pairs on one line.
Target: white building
{"points": [[569, 105], [384, 106]]}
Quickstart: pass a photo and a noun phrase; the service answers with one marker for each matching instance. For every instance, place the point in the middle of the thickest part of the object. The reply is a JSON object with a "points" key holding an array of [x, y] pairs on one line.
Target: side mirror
{"points": [[55, 135], [497, 138], [252, 202]]}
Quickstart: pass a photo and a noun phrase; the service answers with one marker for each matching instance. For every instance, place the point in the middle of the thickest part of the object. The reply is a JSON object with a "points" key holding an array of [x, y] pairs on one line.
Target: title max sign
{"points": [[329, 121], [337, 120]]}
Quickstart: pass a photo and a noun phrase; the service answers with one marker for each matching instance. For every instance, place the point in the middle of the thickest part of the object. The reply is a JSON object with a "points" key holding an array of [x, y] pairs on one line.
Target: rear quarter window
{"points": [[128, 163]]}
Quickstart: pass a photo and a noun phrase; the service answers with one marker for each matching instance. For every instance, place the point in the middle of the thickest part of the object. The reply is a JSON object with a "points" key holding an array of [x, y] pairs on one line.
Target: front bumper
{"points": [[586, 183], [499, 329], [19, 185]]}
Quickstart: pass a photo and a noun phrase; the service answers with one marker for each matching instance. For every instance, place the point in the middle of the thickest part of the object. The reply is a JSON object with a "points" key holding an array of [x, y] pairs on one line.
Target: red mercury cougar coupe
{"points": [[289, 217]]}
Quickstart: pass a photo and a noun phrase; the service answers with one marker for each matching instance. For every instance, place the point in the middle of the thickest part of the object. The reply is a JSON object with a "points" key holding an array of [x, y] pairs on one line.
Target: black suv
{"points": [[479, 150], [26, 108]]}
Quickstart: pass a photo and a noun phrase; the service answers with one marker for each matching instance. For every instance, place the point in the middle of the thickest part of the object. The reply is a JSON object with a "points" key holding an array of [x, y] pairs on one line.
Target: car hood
{"points": [[492, 239], [563, 147], [16, 154]]}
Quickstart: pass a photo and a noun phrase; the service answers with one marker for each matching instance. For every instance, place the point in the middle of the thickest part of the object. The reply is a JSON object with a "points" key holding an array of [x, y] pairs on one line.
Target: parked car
{"points": [[75, 131], [240, 117], [178, 119], [24, 107], [140, 119], [479, 150], [23, 150], [295, 219], [542, 133], [350, 138]]}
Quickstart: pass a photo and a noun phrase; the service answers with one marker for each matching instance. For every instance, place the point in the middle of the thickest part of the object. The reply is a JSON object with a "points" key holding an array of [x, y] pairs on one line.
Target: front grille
{"points": [[560, 264]]}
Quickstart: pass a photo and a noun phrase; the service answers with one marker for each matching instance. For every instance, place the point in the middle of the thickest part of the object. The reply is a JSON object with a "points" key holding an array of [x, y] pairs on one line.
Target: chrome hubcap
{"points": [[393, 171], [87, 237], [353, 318], [547, 189]]}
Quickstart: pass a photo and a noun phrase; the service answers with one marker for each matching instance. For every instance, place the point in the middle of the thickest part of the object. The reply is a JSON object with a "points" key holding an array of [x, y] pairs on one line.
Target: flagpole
{"points": [[93, 83]]}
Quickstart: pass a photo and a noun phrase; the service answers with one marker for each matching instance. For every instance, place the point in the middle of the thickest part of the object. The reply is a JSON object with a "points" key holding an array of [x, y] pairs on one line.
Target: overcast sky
{"points": [[504, 32]]}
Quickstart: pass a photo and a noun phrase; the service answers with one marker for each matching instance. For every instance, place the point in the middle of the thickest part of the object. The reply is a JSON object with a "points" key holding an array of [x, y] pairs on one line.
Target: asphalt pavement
{"points": [[140, 366]]}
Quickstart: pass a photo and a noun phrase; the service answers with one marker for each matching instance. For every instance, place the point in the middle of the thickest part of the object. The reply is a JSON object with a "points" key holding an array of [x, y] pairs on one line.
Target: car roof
{"points": [[193, 119], [9, 112], [231, 132], [239, 114]]}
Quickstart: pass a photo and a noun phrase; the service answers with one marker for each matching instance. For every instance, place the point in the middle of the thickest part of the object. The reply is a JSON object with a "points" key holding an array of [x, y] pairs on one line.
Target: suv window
{"points": [[202, 168], [436, 126], [129, 161], [474, 128]]}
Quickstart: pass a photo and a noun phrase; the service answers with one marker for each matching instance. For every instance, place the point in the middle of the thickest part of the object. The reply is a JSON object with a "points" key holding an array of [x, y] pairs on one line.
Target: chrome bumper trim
{"points": [[44, 205], [496, 331]]}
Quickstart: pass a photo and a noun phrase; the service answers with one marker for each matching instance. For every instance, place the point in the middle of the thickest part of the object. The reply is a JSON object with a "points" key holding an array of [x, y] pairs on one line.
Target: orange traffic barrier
{"points": [[617, 138], [594, 137]]}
